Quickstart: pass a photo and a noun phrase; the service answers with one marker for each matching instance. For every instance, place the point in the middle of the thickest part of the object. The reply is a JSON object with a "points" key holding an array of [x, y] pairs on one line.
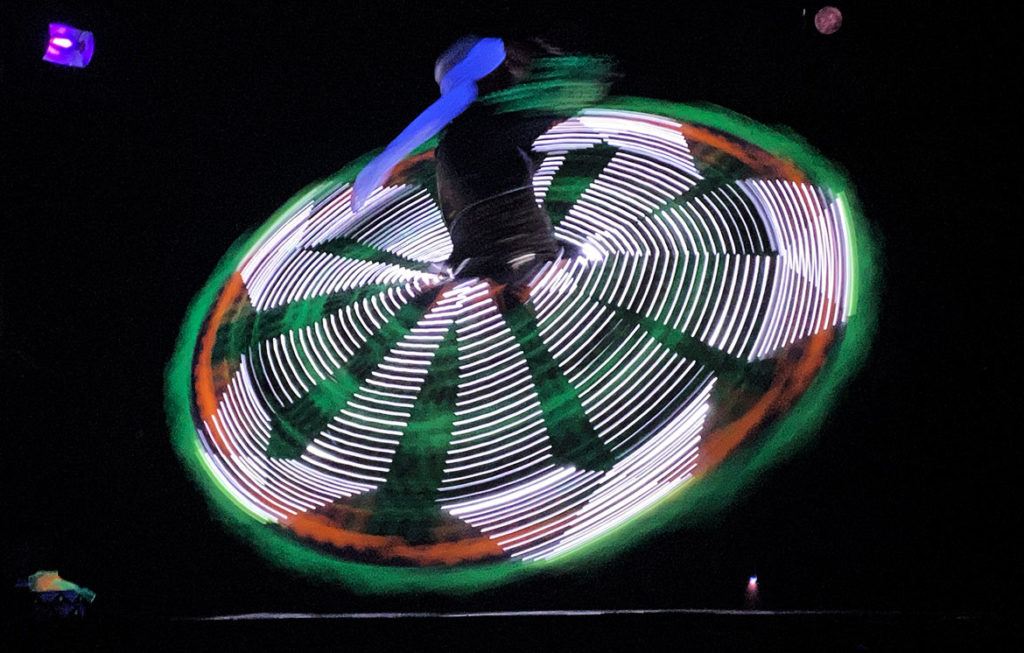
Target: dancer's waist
{"points": [[505, 226]]}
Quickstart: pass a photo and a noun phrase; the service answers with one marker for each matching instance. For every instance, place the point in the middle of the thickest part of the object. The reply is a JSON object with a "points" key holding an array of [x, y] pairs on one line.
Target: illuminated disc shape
{"points": [[828, 20], [365, 415]]}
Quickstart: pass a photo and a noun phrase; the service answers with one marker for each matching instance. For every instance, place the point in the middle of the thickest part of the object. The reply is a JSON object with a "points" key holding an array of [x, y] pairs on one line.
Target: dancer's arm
{"points": [[458, 91], [427, 124]]}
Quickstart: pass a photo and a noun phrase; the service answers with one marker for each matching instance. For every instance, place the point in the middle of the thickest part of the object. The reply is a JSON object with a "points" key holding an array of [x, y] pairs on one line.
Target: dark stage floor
{"points": [[696, 630]]}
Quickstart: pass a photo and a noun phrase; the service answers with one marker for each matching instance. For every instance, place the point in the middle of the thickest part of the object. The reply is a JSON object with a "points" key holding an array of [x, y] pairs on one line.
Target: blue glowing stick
{"points": [[458, 90]]}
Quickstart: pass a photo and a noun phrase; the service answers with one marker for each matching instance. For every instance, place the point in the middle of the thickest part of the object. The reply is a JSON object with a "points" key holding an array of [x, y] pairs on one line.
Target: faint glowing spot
{"points": [[828, 20], [752, 598]]}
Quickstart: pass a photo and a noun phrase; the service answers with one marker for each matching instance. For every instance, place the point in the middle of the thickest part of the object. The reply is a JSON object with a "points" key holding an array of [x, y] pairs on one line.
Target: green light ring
{"points": [[705, 497]]}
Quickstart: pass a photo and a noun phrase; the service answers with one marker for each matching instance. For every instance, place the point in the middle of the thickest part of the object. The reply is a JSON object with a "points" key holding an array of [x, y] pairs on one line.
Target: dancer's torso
{"points": [[484, 176]]}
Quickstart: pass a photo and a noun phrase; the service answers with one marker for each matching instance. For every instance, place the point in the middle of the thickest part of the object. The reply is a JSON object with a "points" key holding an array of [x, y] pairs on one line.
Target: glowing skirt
{"points": [[367, 416]]}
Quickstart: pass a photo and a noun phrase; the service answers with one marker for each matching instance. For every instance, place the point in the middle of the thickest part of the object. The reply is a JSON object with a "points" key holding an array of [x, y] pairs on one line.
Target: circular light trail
{"points": [[369, 417]]}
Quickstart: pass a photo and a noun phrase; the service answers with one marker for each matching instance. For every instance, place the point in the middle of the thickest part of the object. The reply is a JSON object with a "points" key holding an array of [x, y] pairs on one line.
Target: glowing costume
{"points": [[358, 408]]}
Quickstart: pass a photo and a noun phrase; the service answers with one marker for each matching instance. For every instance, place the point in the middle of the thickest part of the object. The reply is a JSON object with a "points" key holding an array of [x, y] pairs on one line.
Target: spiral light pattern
{"points": [[351, 393]]}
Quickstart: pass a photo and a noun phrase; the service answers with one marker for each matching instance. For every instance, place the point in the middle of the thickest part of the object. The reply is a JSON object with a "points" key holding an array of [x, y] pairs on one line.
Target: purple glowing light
{"points": [[753, 599], [69, 46]]}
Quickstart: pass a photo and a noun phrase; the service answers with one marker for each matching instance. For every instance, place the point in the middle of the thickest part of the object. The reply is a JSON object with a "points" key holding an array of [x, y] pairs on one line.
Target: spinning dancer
{"points": [[366, 417], [484, 163]]}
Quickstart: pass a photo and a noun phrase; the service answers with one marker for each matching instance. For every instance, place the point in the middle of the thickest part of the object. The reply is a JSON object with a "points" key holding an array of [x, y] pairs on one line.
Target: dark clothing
{"points": [[485, 183], [501, 236]]}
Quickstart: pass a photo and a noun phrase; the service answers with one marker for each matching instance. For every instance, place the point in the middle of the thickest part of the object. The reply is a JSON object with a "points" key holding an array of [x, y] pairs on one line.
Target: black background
{"points": [[128, 180]]}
